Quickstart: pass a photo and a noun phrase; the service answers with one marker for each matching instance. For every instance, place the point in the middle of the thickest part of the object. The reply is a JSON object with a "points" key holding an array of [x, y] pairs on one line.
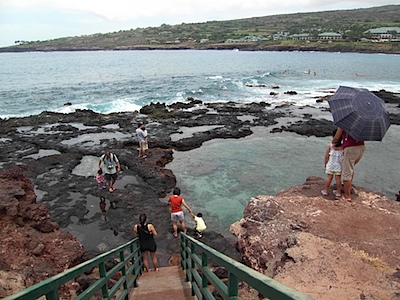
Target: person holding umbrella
{"points": [[360, 116], [353, 151]]}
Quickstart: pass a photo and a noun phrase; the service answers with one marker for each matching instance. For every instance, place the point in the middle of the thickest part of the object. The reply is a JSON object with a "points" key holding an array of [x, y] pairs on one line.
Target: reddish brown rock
{"points": [[324, 248], [32, 248]]}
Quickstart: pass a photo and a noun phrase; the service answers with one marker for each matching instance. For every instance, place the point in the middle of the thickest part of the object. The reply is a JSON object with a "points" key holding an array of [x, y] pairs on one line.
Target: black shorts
{"points": [[108, 177], [149, 245]]}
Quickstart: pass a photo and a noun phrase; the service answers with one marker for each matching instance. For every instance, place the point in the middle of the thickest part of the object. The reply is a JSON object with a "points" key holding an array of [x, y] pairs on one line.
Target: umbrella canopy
{"points": [[360, 113]]}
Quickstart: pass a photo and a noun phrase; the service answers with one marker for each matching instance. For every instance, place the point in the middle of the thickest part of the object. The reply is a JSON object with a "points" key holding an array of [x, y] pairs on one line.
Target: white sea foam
{"points": [[115, 86], [217, 77]]}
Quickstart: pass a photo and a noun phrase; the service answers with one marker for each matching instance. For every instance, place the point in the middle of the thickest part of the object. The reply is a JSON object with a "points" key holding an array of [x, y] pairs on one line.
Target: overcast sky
{"points": [[32, 20]]}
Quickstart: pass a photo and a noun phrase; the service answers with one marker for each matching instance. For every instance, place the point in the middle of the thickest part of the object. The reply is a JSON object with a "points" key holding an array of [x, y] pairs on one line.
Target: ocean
{"points": [[223, 175], [116, 81]]}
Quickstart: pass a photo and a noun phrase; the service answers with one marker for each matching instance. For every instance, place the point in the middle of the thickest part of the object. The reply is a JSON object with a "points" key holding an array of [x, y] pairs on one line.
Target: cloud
{"points": [[124, 10]]}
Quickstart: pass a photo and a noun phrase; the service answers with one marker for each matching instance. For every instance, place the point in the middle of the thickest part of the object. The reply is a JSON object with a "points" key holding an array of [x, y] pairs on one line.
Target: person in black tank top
{"points": [[146, 233]]}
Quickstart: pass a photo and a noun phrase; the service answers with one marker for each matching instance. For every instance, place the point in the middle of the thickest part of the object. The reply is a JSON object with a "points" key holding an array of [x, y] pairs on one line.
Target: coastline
{"points": [[350, 48], [59, 153], [72, 143], [53, 148]]}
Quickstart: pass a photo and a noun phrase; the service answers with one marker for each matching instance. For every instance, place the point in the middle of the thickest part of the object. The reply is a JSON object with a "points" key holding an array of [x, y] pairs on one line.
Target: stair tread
{"points": [[167, 283]]}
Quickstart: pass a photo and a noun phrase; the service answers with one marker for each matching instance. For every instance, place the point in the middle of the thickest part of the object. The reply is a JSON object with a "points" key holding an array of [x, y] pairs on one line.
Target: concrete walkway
{"points": [[167, 284]]}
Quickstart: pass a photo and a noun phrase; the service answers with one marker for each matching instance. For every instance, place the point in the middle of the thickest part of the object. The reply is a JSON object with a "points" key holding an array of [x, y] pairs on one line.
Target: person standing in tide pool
{"points": [[100, 180], [176, 202], [111, 167], [141, 134]]}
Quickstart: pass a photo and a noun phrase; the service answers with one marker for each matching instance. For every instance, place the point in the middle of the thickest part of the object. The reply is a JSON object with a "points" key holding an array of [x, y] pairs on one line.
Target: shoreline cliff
{"points": [[344, 48]]}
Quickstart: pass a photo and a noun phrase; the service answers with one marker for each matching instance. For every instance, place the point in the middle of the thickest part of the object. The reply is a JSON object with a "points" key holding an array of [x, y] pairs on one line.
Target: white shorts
{"points": [[177, 216]]}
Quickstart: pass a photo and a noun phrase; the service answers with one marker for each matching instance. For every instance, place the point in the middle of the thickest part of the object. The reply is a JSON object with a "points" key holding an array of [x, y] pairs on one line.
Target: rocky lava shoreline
{"points": [[52, 149]]}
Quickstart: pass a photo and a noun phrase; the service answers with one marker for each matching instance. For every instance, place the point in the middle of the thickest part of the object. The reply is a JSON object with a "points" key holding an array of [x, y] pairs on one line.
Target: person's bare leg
{"points": [[338, 180], [145, 261], [175, 228], [154, 260], [328, 183], [112, 184], [347, 189], [183, 226]]}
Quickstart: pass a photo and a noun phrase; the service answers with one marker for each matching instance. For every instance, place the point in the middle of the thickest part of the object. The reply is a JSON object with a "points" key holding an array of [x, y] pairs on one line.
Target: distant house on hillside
{"points": [[384, 34], [281, 36], [330, 36], [249, 38], [301, 36]]}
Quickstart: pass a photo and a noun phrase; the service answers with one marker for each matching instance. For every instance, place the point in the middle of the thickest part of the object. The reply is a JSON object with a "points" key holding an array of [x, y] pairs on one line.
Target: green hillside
{"points": [[271, 31]]}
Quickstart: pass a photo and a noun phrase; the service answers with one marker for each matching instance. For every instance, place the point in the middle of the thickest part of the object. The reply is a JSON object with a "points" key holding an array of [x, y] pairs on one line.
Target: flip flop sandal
{"points": [[324, 194], [337, 196], [347, 200]]}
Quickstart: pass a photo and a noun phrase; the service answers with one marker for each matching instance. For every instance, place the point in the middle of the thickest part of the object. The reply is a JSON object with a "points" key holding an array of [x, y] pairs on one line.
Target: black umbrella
{"points": [[360, 113]]}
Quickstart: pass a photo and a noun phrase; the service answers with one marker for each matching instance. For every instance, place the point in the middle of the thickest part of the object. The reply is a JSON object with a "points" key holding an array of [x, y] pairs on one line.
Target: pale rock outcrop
{"points": [[324, 248]]}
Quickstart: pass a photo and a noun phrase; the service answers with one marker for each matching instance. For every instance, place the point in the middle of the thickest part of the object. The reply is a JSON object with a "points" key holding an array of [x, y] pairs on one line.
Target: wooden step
{"points": [[167, 284]]}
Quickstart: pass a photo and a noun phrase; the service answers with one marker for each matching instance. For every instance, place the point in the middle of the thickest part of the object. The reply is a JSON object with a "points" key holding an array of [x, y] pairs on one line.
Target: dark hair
{"points": [[339, 142], [142, 219], [200, 215], [177, 191], [100, 171]]}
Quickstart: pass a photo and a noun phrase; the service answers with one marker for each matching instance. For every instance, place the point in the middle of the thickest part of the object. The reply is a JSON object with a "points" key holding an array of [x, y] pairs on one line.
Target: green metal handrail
{"points": [[130, 265], [195, 257]]}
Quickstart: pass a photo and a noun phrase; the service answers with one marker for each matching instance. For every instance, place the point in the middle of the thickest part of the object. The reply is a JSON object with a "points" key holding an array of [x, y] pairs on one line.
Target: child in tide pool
{"points": [[100, 179], [200, 224]]}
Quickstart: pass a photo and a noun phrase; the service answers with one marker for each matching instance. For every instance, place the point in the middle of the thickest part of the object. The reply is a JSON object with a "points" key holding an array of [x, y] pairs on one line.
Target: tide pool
{"points": [[219, 178]]}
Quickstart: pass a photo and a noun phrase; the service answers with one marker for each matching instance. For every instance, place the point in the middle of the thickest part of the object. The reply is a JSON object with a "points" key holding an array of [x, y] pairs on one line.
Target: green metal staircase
{"points": [[195, 260], [129, 268], [194, 280]]}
